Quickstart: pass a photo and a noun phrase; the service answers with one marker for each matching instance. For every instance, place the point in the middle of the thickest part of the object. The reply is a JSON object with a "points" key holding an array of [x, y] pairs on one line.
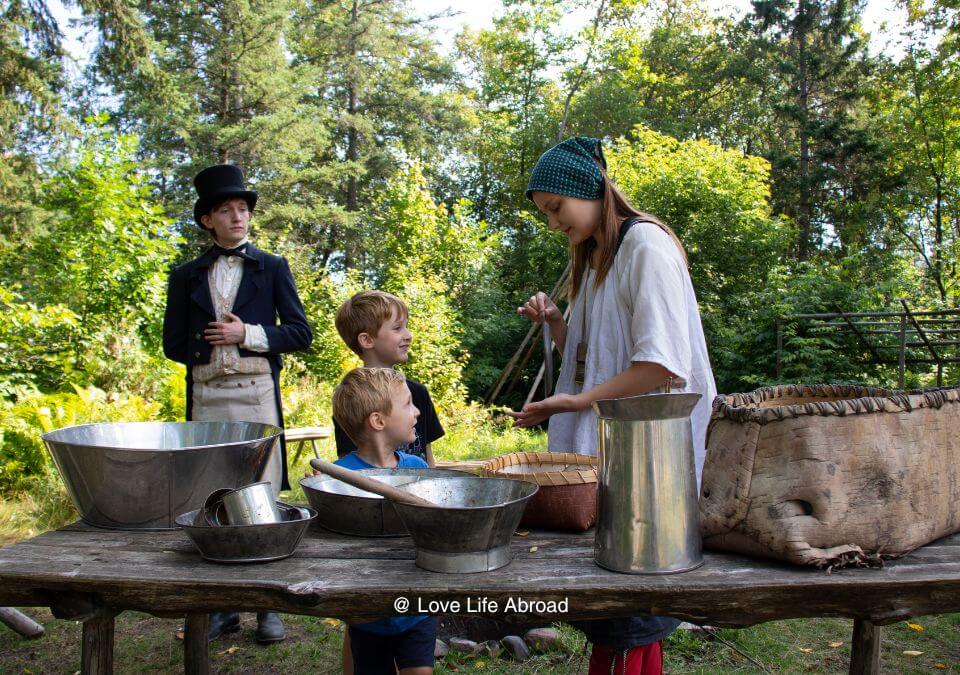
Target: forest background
{"points": [[805, 167]]}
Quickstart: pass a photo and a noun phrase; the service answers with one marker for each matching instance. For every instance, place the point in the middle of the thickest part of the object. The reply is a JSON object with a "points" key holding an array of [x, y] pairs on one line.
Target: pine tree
{"points": [[817, 54], [375, 72], [218, 86], [31, 83]]}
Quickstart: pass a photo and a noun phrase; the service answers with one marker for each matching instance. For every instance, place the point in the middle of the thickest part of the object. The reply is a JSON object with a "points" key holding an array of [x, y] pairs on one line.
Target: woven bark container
{"points": [[829, 475], [567, 498]]}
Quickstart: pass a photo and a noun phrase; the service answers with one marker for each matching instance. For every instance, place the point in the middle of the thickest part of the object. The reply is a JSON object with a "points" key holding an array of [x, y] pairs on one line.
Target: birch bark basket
{"points": [[829, 475]]}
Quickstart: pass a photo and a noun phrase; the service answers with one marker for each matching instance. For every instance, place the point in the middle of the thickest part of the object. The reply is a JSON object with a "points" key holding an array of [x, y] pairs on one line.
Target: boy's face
{"points": [[400, 425], [229, 221], [391, 344]]}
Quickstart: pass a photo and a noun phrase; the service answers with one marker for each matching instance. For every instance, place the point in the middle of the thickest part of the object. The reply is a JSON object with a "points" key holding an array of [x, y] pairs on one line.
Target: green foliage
{"points": [[409, 230], [31, 80], [47, 504], [472, 432], [717, 201], [108, 247], [36, 343], [22, 453], [85, 294], [436, 358], [306, 400], [433, 259], [814, 66], [328, 357], [850, 285]]}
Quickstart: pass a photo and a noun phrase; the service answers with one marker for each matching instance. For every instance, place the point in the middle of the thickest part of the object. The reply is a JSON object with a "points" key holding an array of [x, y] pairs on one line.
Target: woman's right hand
{"points": [[540, 308]]}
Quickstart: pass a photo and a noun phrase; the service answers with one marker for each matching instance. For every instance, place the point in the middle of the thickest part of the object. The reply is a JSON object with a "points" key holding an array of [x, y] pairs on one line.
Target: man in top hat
{"points": [[230, 314]]}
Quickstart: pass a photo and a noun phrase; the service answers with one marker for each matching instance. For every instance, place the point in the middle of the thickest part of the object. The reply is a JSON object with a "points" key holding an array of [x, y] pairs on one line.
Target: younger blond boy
{"points": [[374, 325], [374, 407]]}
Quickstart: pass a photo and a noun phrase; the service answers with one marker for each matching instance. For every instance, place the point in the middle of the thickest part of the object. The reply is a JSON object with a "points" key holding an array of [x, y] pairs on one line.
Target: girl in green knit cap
{"points": [[634, 328]]}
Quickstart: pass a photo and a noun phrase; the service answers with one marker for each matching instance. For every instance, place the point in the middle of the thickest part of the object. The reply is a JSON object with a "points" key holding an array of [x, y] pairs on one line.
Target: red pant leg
{"points": [[645, 660]]}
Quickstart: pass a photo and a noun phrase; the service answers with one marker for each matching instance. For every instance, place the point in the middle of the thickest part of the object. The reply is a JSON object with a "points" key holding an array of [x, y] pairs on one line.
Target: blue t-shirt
{"points": [[355, 462], [392, 625]]}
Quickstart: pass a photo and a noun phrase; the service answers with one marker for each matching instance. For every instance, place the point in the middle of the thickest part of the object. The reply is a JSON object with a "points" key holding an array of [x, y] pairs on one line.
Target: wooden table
{"points": [[91, 575], [296, 438]]}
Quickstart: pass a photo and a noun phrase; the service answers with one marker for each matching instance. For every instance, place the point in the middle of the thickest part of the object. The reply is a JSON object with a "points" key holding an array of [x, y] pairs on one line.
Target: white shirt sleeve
{"points": [[651, 290], [254, 338]]}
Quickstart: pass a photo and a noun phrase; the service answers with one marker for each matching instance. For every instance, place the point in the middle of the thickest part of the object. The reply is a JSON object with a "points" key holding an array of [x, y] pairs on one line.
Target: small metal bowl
{"points": [[249, 543], [349, 510]]}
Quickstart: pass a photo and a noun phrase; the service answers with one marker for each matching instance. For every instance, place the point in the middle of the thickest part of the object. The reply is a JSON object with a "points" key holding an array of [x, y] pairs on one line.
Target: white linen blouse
{"points": [[645, 310]]}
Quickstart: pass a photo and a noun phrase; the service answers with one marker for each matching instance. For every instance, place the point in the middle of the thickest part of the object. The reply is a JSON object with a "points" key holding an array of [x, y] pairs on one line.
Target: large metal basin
{"points": [[140, 475], [471, 531], [348, 510]]}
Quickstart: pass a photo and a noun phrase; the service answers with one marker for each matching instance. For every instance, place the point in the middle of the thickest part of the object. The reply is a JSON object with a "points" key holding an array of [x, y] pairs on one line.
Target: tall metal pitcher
{"points": [[647, 497]]}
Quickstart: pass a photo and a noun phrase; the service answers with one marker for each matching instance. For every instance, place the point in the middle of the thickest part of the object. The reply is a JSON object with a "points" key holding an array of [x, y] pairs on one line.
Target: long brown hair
{"points": [[615, 209]]}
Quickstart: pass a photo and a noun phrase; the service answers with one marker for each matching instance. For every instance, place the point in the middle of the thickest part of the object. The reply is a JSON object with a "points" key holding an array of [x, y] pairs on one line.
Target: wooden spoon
{"points": [[362, 482]]}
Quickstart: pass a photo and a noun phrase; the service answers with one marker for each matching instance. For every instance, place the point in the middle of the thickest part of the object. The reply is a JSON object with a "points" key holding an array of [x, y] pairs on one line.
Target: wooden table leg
{"points": [[196, 646], [865, 649], [96, 653]]}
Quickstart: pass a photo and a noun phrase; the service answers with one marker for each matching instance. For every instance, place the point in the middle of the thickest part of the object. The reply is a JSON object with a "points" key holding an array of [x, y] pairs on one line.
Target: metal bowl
{"points": [[471, 531], [249, 543], [349, 510], [140, 475]]}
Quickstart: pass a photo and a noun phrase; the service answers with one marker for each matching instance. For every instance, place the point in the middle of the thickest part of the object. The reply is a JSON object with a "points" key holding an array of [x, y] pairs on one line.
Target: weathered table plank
{"points": [[92, 574], [351, 578]]}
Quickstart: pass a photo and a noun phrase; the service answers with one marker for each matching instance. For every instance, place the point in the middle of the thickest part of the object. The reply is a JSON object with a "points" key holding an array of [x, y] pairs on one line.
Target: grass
{"points": [[147, 644]]}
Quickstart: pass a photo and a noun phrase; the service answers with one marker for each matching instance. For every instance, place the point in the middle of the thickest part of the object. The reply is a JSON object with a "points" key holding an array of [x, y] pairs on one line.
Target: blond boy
{"points": [[374, 407], [374, 325]]}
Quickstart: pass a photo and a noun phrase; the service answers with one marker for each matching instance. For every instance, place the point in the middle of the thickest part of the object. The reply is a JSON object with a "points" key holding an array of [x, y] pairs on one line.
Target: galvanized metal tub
{"points": [[348, 510], [140, 475], [471, 531], [263, 542]]}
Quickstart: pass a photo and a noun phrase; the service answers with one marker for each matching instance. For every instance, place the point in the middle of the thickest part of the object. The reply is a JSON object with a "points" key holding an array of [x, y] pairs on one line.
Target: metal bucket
{"points": [[472, 530], [348, 510], [647, 498], [140, 475]]}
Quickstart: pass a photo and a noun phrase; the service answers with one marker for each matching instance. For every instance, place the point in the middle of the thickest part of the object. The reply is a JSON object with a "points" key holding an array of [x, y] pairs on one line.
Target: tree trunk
{"points": [[353, 138], [804, 218]]}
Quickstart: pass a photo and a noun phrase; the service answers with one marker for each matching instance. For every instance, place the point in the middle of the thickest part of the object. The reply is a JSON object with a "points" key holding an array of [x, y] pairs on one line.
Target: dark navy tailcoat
{"points": [[267, 296]]}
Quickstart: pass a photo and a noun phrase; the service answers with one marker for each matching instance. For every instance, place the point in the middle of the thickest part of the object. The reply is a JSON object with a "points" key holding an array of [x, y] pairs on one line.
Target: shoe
{"points": [[223, 622], [269, 628]]}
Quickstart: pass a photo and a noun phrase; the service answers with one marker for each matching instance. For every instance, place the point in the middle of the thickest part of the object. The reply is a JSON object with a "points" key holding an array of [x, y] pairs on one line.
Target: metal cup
{"points": [[213, 512], [252, 504]]}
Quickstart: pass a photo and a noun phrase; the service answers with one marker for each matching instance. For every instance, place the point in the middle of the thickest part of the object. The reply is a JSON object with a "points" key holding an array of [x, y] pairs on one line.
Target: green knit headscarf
{"points": [[570, 168]]}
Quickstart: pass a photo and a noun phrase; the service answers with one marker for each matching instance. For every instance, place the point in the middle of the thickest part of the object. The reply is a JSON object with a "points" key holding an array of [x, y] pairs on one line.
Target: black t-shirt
{"points": [[428, 426]]}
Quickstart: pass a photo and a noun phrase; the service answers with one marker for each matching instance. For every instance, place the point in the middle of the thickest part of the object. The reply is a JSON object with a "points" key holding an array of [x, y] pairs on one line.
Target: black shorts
{"points": [[376, 654]]}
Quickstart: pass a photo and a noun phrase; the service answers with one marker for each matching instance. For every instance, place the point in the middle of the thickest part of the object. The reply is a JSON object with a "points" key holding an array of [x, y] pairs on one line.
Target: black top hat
{"points": [[216, 184]]}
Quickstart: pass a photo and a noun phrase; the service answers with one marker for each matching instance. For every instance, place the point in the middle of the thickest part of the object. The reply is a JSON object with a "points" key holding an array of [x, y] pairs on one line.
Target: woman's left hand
{"points": [[535, 413]]}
